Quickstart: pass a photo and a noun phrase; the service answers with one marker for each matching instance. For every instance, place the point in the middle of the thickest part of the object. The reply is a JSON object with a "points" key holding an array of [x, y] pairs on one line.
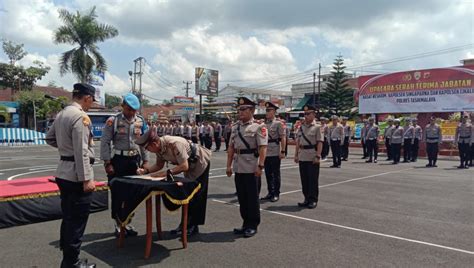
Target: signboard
{"points": [[183, 100], [448, 130], [97, 79], [206, 81], [431, 90]]}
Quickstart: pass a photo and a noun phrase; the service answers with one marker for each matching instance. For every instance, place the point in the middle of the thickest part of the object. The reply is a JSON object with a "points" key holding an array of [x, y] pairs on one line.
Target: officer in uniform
{"points": [[160, 129], [387, 133], [187, 131], [416, 143], [247, 151], [408, 140], [325, 131], [396, 141], [227, 132], [336, 137], [71, 134], [463, 138], [309, 145], [363, 134], [371, 138], [432, 138], [194, 132], [124, 158], [207, 134], [191, 159], [218, 136], [275, 152], [347, 138]]}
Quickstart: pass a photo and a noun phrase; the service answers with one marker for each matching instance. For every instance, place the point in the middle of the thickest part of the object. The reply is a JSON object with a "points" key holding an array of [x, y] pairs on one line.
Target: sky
{"points": [[268, 44]]}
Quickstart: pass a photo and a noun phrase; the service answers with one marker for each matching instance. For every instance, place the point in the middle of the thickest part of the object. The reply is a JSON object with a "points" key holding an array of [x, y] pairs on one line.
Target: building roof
{"points": [[247, 90]]}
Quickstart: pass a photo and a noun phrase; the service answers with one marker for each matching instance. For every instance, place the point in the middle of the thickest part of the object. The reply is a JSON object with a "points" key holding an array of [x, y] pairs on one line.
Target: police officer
{"points": [[325, 131], [275, 152], [463, 138], [432, 138], [336, 138], [416, 142], [194, 132], [160, 129], [309, 145], [124, 158], [347, 138], [207, 134], [371, 138], [189, 158], [71, 134], [387, 133], [218, 136], [408, 140], [227, 132], [187, 131], [247, 151], [363, 134], [396, 141]]}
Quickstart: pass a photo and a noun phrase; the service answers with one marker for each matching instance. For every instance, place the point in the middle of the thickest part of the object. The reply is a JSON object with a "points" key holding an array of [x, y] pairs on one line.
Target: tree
{"points": [[14, 51], [209, 111], [338, 97], [4, 114], [44, 107], [84, 31], [112, 101], [19, 78]]}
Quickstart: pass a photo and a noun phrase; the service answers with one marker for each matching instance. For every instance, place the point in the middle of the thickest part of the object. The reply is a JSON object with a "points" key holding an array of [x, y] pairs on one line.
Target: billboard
{"points": [[206, 81], [183, 100], [431, 90], [97, 80]]}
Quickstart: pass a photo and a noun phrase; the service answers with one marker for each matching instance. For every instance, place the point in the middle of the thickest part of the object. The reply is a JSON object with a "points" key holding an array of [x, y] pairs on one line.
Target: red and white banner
{"points": [[432, 90]]}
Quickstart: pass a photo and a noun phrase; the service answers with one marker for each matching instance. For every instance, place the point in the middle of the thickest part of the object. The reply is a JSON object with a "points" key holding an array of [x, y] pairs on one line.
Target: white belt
{"points": [[126, 152]]}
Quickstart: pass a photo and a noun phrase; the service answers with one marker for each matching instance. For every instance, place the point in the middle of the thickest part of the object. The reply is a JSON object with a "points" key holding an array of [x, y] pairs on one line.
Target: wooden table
{"points": [[149, 223]]}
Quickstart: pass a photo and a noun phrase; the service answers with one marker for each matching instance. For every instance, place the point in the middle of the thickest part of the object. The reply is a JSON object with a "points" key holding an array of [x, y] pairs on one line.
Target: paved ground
{"points": [[368, 215]]}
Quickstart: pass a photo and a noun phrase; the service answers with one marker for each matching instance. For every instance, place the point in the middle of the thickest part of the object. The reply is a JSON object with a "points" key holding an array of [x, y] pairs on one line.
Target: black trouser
{"points": [[472, 154], [414, 149], [372, 149], [396, 148], [272, 174], [217, 140], [389, 149], [194, 139], [325, 151], [309, 174], [336, 152], [197, 207], [227, 139], [464, 153], [407, 149], [75, 206], [364, 148], [201, 139], [247, 186], [207, 141], [432, 152], [345, 148]]}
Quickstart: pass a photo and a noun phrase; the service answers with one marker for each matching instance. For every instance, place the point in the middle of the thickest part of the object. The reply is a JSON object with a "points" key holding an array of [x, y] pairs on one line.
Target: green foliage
{"points": [[338, 98], [85, 32], [4, 112], [208, 112], [112, 101], [14, 51], [45, 108], [19, 78]]}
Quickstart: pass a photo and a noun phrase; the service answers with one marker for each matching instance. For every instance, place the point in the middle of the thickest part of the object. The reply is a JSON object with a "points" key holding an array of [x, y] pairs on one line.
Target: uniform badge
{"points": [[267, 105], [264, 131], [86, 120]]}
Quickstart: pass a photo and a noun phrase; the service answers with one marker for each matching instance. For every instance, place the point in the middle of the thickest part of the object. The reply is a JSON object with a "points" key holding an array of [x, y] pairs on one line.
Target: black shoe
{"points": [[267, 197], [303, 204], [117, 232], [239, 231], [375, 161], [333, 166], [466, 167], [368, 161], [461, 166], [274, 198], [82, 263], [394, 163], [413, 160], [344, 159], [312, 205], [363, 157], [406, 161], [434, 165], [130, 230], [428, 165], [388, 159], [177, 231], [250, 232], [192, 230]]}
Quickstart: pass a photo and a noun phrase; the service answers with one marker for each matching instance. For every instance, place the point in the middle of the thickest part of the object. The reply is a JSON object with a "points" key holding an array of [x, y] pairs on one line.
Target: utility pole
{"points": [[319, 89], [139, 61], [314, 89], [187, 87]]}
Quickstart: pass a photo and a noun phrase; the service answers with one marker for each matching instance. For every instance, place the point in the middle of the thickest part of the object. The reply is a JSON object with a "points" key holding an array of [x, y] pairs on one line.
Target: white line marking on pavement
{"points": [[18, 168], [356, 179], [359, 230], [37, 171], [283, 165]]}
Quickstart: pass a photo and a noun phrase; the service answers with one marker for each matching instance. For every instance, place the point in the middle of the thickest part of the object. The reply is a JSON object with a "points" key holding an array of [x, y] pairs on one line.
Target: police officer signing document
{"points": [[247, 151], [309, 144], [124, 158], [71, 134], [191, 159]]}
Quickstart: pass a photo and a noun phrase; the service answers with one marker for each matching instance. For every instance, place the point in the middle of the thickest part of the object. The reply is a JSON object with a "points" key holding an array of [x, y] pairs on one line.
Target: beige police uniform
{"points": [[464, 137]]}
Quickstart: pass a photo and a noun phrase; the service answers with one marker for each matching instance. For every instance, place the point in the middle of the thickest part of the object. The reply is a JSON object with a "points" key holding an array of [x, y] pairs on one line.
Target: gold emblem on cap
{"points": [[306, 108], [241, 101], [267, 104]]}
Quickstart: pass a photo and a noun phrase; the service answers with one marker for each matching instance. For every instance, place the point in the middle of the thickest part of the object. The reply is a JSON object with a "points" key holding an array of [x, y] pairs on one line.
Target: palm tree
{"points": [[85, 31]]}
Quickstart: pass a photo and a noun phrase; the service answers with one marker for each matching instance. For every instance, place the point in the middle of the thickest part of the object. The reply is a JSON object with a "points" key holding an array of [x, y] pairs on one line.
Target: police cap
{"points": [[132, 101], [243, 101], [147, 137], [84, 89], [344, 118], [270, 105], [308, 108], [334, 117], [396, 120]]}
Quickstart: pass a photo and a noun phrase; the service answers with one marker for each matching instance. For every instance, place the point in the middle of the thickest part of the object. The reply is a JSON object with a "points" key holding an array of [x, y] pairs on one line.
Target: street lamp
{"points": [[130, 73]]}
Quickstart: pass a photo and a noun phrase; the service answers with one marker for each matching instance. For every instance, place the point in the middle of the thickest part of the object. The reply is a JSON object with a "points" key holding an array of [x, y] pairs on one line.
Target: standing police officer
{"points": [[416, 143], [247, 151], [325, 131], [125, 157], [432, 138], [309, 144], [408, 140], [207, 134], [464, 139], [275, 152], [336, 138], [363, 134], [371, 138], [387, 133], [347, 138], [71, 134], [396, 141]]}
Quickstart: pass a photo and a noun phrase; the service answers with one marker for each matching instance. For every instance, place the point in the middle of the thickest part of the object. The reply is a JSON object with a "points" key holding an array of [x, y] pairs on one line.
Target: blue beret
{"points": [[131, 100]]}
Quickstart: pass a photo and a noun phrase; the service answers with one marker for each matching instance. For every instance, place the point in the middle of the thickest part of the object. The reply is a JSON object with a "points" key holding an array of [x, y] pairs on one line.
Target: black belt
{"points": [[307, 147], [465, 137], [71, 159], [277, 141], [245, 151], [432, 138]]}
